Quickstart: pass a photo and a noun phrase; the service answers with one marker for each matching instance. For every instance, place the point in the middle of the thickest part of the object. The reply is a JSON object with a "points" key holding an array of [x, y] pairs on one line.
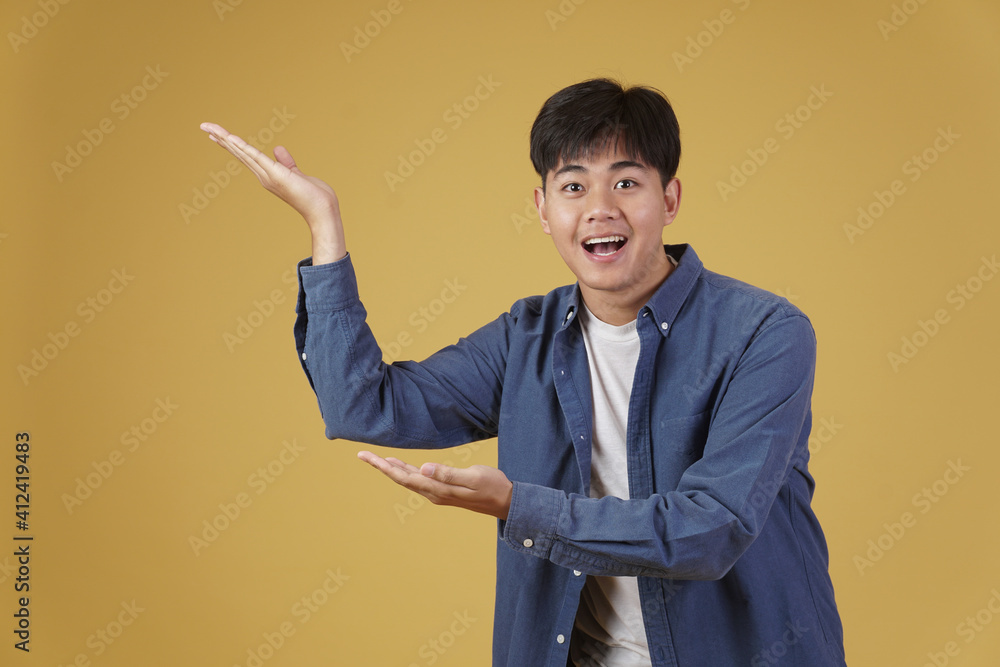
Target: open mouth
{"points": [[604, 246]]}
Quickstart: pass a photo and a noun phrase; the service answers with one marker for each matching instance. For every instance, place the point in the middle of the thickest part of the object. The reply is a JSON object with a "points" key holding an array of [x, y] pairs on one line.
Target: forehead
{"points": [[601, 160]]}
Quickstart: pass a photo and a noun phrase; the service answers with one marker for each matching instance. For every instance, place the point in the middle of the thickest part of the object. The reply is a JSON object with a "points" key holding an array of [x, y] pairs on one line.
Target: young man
{"points": [[653, 493]]}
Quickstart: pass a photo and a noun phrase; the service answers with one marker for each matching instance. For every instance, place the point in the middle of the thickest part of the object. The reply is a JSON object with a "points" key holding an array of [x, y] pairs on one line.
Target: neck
{"points": [[621, 307]]}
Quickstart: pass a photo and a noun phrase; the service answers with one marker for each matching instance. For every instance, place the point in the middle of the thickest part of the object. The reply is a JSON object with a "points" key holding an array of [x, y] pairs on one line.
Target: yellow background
{"points": [[405, 571]]}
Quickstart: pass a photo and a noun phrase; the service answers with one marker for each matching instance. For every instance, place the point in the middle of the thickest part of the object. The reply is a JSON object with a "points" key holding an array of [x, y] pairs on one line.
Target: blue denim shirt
{"points": [[731, 562]]}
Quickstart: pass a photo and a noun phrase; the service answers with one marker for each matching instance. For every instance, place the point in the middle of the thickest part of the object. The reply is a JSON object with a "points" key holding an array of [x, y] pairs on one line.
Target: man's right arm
{"points": [[450, 398]]}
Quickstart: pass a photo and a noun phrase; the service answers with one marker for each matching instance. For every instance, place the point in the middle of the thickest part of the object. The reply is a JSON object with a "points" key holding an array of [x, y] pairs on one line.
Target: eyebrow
{"points": [[621, 164]]}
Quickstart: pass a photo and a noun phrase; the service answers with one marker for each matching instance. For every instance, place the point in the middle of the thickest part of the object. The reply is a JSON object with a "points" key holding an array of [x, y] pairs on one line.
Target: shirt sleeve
{"points": [[699, 529], [450, 398]]}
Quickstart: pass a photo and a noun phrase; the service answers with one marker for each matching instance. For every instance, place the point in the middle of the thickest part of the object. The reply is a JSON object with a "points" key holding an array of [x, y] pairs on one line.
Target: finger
{"points": [[454, 477], [369, 458], [214, 129], [218, 134], [404, 477], [391, 467], [410, 477], [374, 459], [247, 153], [282, 155], [256, 160], [403, 464]]}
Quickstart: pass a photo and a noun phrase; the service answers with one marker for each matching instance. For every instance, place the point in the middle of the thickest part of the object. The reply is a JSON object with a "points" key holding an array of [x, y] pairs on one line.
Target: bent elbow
{"points": [[703, 558]]}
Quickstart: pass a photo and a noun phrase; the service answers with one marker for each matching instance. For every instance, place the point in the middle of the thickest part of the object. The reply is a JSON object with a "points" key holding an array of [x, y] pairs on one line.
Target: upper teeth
{"points": [[605, 239]]}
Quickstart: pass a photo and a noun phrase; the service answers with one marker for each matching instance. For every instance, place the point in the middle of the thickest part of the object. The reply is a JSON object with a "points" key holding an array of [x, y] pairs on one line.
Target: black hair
{"points": [[597, 114]]}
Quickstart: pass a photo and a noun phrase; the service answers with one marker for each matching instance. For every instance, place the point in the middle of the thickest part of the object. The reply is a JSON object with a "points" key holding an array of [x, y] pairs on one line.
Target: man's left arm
{"points": [[696, 531]]}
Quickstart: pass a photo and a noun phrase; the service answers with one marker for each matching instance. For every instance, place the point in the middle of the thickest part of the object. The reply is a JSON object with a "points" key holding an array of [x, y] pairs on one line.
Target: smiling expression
{"points": [[605, 213]]}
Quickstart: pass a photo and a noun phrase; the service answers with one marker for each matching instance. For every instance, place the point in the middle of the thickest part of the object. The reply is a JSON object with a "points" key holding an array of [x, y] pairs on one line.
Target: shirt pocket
{"points": [[677, 444]]}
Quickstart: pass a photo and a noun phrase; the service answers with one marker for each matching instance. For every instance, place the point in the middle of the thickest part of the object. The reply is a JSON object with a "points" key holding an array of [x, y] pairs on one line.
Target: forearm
{"points": [[449, 399], [670, 535]]}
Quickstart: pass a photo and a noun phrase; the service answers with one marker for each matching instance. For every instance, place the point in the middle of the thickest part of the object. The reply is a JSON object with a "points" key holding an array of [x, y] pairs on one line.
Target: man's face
{"points": [[606, 214]]}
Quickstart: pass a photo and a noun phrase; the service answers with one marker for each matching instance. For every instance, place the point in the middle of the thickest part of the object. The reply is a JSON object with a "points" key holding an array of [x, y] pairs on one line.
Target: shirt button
{"points": [[303, 356], [664, 326], [577, 573], [528, 543], [561, 639], [645, 313]]}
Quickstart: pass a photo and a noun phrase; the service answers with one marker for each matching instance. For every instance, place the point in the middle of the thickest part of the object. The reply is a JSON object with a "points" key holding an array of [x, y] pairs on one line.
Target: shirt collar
{"points": [[666, 301]]}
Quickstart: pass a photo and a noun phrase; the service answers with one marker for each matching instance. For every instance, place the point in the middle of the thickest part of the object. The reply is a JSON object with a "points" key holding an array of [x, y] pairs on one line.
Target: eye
{"points": [[573, 187], [626, 183]]}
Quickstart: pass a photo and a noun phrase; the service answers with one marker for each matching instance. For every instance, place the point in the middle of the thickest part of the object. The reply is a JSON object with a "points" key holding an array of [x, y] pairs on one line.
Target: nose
{"points": [[601, 205]]}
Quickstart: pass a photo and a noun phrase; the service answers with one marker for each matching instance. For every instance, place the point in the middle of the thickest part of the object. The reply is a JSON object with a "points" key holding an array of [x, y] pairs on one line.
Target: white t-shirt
{"points": [[609, 630]]}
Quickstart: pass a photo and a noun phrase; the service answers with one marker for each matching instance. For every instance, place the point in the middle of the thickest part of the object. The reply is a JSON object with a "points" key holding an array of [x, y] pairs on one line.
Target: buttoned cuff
{"points": [[532, 520], [327, 287]]}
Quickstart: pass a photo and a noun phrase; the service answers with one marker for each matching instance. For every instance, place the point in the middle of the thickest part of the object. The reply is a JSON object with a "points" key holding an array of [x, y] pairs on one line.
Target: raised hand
{"points": [[478, 488], [314, 200]]}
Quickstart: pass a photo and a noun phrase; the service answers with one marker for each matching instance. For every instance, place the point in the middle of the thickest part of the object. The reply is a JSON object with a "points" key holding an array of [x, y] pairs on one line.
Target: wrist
{"points": [[327, 247]]}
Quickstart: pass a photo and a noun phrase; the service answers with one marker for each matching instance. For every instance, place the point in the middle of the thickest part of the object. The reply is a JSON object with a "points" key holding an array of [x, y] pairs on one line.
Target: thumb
{"points": [[438, 471], [282, 155]]}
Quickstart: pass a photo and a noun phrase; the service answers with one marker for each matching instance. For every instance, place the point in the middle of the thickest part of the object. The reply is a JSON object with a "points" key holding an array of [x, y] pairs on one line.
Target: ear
{"points": [[540, 205], [671, 200]]}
